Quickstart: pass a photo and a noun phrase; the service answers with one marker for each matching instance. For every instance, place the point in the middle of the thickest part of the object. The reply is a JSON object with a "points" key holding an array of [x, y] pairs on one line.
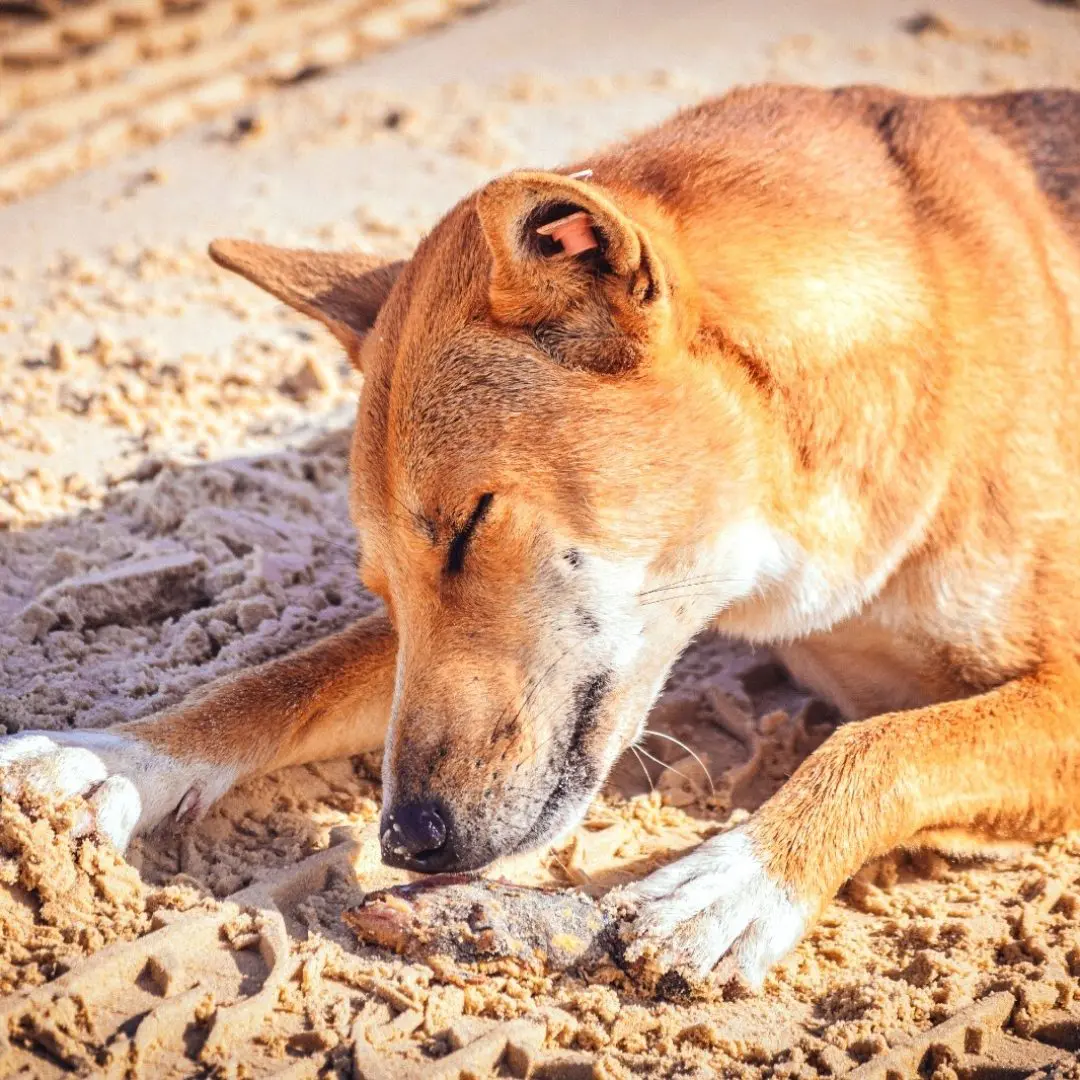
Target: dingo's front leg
{"points": [[1003, 765], [329, 700]]}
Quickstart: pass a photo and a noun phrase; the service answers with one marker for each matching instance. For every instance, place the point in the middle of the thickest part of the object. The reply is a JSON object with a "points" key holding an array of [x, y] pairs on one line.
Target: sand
{"points": [[173, 451]]}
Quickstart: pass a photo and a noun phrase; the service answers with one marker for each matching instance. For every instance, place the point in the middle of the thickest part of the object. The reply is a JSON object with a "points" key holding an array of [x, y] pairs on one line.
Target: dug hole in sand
{"points": [[173, 454]]}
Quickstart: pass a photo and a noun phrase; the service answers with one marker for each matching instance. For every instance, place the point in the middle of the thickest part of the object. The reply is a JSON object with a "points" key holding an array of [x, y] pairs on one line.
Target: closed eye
{"points": [[455, 555]]}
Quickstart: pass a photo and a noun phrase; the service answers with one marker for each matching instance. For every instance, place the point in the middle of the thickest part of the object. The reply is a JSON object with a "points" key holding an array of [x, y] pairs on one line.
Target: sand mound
{"points": [[59, 900], [63, 899]]}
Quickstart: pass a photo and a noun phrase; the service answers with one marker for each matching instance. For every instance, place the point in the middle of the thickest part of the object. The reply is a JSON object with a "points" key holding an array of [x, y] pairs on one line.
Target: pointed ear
{"points": [[554, 237], [343, 290]]}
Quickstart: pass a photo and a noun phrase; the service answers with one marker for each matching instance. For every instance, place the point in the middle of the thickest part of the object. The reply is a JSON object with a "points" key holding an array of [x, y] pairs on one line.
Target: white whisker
{"points": [[679, 742], [664, 765], [644, 769]]}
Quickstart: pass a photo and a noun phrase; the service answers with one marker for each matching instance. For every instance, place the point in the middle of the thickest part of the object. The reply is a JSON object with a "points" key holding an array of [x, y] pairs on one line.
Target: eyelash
{"points": [[455, 555]]}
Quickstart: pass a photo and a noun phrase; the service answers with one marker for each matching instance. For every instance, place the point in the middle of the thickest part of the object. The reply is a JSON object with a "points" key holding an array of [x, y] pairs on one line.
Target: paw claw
{"points": [[190, 808]]}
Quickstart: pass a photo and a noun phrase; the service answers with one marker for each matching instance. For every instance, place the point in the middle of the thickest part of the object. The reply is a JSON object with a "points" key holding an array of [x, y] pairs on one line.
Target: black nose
{"points": [[415, 836]]}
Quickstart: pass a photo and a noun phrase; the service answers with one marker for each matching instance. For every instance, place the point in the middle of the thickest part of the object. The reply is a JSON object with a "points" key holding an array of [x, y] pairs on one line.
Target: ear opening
{"points": [[563, 229], [343, 290]]}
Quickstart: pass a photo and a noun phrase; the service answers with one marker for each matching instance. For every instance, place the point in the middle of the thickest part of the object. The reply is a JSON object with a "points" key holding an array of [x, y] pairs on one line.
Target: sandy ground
{"points": [[172, 507]]}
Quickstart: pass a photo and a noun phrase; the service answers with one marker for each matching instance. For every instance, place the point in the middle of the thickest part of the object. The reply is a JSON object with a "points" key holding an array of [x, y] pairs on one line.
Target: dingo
{"points": [[800, 365]]}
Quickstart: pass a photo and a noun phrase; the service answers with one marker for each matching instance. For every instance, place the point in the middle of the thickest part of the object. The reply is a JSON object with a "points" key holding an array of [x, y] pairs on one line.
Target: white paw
{"points": [[128, 786], [720, 899]]}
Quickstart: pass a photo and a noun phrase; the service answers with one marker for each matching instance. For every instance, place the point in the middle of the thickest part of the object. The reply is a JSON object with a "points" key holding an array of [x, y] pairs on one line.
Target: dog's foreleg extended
{"points": [[329, 700], [1004, 765]]}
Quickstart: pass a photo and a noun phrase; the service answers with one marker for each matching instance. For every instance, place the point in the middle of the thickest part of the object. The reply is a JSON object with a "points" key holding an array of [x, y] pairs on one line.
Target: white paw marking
{"points": [[129, 787], [718, 900]]}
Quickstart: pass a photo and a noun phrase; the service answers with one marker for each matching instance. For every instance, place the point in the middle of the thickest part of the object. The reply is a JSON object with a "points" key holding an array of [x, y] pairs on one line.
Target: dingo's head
{"points": [[541, 467]]}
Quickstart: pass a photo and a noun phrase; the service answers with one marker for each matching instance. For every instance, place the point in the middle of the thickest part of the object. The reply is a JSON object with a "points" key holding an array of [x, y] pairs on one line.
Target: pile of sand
{"points": [[63, 899]]}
